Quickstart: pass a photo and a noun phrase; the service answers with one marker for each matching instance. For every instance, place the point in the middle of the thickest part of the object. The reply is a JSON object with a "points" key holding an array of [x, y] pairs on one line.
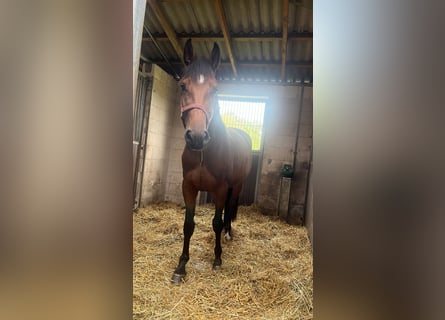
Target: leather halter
{"points": [[191, 106]]}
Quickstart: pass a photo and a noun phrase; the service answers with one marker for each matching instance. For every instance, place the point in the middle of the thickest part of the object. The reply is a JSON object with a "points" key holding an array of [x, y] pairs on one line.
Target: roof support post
{"points": [[225, 30]]}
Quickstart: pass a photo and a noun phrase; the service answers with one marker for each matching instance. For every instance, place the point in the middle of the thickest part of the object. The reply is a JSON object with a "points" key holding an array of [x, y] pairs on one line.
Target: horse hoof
{"points": [[217, 267], [227, 236], [217, 264], [177, 278]]}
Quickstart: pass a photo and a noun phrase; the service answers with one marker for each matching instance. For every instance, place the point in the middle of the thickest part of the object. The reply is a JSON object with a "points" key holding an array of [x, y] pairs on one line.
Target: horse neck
{"points": [[217, 130]]}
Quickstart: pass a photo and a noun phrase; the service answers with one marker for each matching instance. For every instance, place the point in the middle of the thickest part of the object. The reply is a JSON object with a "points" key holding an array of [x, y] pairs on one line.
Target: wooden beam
{"points": [[225, 30], [260, 37], [238, 38], [171, 34], [275, 65], [195, 38], [284, 40], [256, 64], [268, 82]]}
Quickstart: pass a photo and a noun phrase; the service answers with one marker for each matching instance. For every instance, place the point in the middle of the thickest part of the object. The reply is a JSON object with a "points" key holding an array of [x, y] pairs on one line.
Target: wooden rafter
{"points": [[225, 30], [238, 38], [284, 40], [171, 34], [306, 64]]}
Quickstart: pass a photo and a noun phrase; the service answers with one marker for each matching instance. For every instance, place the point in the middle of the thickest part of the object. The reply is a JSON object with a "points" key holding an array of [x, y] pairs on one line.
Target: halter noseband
{"points": [[200, 107]]}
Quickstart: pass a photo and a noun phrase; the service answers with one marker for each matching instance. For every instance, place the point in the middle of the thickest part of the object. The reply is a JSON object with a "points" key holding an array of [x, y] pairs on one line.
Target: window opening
{"points": [[246, 114]]}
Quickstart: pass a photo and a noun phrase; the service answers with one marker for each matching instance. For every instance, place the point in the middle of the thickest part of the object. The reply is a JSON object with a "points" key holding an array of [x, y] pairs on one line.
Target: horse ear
{"points": [[188, 52], [216, 57]]}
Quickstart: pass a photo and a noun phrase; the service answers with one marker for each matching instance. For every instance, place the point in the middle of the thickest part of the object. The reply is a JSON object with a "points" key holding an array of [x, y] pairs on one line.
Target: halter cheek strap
{"points": [[200, 107]]}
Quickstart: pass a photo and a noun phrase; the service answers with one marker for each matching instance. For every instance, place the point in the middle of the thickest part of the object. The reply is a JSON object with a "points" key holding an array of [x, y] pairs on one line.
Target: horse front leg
{"points": [[218, 224], [189, 193]]}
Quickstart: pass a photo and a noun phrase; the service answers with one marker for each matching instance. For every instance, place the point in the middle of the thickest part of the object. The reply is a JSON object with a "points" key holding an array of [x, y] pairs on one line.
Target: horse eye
{"points": [[183, 88]]}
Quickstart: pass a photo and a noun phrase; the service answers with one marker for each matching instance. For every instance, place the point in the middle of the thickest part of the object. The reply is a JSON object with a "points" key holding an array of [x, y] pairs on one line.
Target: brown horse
{"points": [[215, 159]]}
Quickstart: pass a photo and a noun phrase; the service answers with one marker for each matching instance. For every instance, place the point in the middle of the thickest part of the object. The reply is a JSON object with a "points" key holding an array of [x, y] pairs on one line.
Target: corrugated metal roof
{"points": [[256, 28]]}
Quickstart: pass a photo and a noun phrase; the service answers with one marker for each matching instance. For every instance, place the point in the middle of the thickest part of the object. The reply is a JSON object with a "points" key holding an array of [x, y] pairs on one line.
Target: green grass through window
{"points": [[245, 115]]}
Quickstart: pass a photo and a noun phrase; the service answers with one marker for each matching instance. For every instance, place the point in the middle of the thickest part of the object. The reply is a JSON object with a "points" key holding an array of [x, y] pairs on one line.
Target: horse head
{"points": [[198, 89]]}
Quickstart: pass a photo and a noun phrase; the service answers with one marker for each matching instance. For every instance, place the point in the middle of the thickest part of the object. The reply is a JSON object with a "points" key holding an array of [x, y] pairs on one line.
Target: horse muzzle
{"points": [[196, 141]]}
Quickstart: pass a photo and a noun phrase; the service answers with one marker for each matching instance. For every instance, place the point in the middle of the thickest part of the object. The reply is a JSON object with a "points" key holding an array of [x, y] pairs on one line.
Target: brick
{"points": [[304, 144], [304, 156], [280, 154], [306, 117], [305, 131]]}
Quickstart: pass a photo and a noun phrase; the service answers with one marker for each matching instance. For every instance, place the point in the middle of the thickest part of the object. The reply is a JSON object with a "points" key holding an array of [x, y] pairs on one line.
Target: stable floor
{"points": [[266, 271]]}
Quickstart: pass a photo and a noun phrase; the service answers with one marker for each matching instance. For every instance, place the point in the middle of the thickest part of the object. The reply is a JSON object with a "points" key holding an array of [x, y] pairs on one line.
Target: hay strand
{"points": [[266, 271]]}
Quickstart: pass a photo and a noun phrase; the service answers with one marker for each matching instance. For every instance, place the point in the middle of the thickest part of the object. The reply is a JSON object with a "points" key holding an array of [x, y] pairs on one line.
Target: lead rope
{"points": [[202, 157]]}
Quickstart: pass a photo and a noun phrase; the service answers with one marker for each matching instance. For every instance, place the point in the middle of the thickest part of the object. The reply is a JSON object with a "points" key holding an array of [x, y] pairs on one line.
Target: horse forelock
{"points": [[200, 70]]}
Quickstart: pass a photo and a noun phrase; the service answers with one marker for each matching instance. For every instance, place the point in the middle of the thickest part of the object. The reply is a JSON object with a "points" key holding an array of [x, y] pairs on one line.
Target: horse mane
{"points": [[197, 67]]}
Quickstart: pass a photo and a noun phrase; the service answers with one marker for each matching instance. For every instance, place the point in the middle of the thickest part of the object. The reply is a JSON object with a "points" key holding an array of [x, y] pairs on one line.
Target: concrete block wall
{"points": [[299, 185], [303, 157], [157, 157], [173, 190], [309, 219]]}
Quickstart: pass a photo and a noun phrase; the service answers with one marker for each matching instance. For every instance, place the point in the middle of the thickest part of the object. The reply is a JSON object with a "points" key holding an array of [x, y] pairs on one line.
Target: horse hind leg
{"points": [[218, 225], [230, 210]]}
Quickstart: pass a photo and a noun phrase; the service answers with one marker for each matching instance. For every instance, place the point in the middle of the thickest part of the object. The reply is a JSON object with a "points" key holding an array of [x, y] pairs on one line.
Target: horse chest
{"points": [[204, 178]]}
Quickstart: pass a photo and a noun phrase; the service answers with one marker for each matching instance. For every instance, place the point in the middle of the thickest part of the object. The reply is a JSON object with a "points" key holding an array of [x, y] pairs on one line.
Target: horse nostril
{"points": [[206, 136], [188, 136], [196, 140]]}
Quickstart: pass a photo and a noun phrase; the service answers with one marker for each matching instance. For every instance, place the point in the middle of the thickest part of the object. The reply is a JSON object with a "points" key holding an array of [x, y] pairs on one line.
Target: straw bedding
{"points": [[266, 271]]}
